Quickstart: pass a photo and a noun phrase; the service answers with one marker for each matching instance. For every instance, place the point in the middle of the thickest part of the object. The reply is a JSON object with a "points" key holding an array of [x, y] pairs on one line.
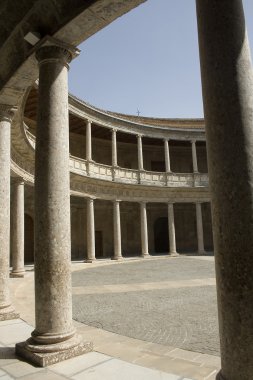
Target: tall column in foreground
{"points": [[117, 231], [200, 234], [90, 231], [54, 331], [227, 81], [6, 308], [18, 228], [172, 234], [144, 230]]}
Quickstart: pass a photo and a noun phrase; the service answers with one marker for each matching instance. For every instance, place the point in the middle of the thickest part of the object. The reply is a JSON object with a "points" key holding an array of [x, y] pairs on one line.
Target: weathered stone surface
{"points": [[18, 229], [6, 309], [227, 79], [48, 358]]}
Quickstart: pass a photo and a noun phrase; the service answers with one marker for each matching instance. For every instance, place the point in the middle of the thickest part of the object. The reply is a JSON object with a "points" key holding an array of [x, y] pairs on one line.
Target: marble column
{"points": [[54, 338], [144, 230], [167, 156], [194, 157], [200, 235], [6, 309], [172, 234], [117, 231], [227, 83], [114, 148], [140, 153], [90, 231], [18, 228], [88, 141]]}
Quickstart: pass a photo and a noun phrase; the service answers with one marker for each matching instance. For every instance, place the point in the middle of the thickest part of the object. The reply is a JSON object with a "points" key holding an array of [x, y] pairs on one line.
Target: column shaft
{"points": [[194, 157], [6, 308], [167, 156], [227, 83], [144, 229], [140, 153], [18, 229], [114, 148], [90, 231], [172, 234], [117, 231], [200, 234], [88, 141]]}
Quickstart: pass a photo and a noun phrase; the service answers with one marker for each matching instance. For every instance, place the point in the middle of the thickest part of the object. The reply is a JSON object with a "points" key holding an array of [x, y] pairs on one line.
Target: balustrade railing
{"points": [[131, 176]]}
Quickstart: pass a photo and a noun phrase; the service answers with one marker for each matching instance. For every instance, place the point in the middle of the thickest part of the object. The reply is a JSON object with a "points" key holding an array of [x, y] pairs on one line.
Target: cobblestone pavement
{"points": [[182, 315]]}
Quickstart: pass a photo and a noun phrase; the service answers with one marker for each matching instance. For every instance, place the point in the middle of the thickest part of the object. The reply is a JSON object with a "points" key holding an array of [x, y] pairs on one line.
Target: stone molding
{"points": [[7, 112]]}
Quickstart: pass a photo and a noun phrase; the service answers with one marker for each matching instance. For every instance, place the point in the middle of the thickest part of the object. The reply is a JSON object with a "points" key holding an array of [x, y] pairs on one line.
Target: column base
{"points": [[145, 255], [173, 254], [90, 260], [28, 351], [8, 313], [118, 258], [16, 274], [202, 253]]}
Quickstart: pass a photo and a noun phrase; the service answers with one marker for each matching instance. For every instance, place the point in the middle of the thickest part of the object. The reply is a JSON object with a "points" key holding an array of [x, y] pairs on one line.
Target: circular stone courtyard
{"points": [[170, 301]]}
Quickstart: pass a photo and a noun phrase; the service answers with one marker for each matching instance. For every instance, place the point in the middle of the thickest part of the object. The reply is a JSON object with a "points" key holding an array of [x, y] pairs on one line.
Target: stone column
{"points": [[167, 156], [90, 231], [54, 338], [200, 235], [6, 308], [227, 82], [114, 148], [194, 157], [18, 228], [140, 153], [117, 231], [144, 230], [88, 141], [172, 234]]}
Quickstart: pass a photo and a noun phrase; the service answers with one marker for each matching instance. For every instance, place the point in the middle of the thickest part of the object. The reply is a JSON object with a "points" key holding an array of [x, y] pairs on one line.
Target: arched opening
{"points": [[29, 239], [186, 227], [161, 236]]}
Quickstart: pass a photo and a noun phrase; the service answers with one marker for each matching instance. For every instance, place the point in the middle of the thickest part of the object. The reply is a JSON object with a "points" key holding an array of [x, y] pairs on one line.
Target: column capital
{"points": [[166, 139], [117, 200], [139, 136], [7, 112], [18, 181], [193, 141], [114, 130], [171, 202], [51, 49], [88, 121], [91, 199]]}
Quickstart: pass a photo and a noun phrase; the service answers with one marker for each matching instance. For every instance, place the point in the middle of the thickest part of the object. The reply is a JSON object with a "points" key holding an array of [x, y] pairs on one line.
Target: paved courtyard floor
{"points": [[148, 319], [170, 302]]}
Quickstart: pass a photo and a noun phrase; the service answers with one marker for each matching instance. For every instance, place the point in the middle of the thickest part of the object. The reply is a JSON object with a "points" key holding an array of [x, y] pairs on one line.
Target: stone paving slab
{"points": [[170, 360]]}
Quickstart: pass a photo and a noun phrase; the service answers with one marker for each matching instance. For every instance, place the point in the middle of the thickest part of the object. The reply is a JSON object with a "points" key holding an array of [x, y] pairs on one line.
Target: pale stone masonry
{"points": [[18, 229], [143, 174], [6, 308]]}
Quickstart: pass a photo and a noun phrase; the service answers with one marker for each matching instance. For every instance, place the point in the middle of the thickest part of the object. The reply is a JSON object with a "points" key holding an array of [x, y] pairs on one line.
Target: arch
{"points": [[161, 236]]}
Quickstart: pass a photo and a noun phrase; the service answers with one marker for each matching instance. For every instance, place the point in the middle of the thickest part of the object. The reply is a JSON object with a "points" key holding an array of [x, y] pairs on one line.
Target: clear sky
{"points": [[147, 60]]}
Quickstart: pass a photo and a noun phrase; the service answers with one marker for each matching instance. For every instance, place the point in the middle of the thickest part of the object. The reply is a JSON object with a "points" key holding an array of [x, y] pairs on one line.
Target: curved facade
{"points": [[138, 185]]}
